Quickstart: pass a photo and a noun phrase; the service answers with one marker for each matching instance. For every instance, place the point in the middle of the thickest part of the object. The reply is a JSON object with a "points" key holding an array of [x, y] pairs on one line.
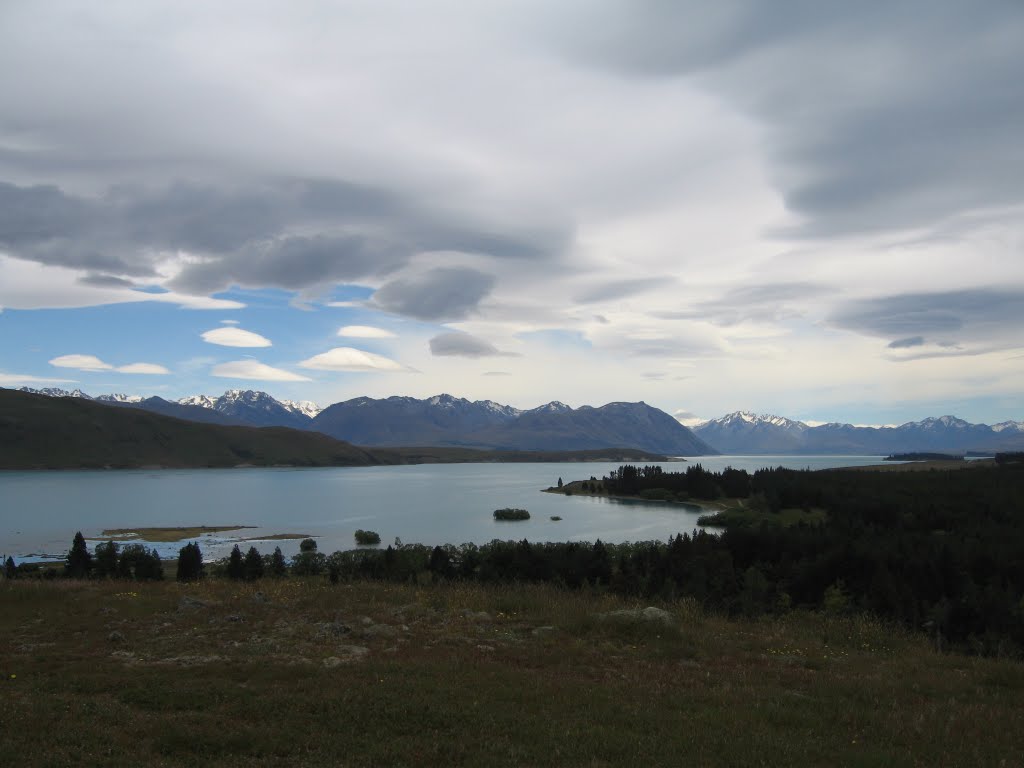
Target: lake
{"points": [[427, 504]]}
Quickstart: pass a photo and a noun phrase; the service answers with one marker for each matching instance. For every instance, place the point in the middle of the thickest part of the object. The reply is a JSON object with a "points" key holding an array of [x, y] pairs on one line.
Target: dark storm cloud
{"points": [[620, 289], [907, 343], [881, 115], [970, 312], [759, 303], [445, 293], [457, 344], [246, 235]]}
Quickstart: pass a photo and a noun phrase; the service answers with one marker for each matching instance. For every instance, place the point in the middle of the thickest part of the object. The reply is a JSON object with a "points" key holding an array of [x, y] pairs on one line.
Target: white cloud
{"points": [[81, 362], [17, 379], [365, 332], [252, 369], [150, 369], [235, 337], [350, 359], [229, 322]]}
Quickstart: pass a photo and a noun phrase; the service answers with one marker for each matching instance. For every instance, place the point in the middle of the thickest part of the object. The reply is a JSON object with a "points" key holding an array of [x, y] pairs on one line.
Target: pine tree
{"points": [[190, 562], [79, 561], [10, 570], [235, 568], [278, 567], [253, 565]]}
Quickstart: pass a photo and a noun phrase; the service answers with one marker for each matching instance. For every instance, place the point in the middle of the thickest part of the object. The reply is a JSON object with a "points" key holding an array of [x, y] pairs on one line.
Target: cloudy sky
{"points": [[811, 209]]}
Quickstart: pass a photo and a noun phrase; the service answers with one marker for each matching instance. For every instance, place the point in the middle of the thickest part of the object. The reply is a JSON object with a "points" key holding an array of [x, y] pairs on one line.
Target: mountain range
{"points": [[747, 433], [446, 421], [442, 420]]}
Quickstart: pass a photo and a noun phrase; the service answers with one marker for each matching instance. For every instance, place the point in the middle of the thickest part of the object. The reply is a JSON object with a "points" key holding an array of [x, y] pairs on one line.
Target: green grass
{"points": [[743, 516], [108, 673]]}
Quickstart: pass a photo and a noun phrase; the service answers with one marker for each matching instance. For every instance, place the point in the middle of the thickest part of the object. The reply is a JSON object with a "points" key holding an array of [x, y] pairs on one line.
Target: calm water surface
{"points": [[428, 504]]}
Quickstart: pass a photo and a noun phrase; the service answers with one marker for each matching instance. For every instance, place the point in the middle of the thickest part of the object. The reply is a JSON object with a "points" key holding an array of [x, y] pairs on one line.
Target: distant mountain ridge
{"points": [[743, 432], [442, 421]]}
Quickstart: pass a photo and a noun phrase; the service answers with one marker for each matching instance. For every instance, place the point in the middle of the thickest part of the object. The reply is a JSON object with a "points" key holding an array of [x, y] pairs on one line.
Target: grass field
{"points": [[291, 672]]}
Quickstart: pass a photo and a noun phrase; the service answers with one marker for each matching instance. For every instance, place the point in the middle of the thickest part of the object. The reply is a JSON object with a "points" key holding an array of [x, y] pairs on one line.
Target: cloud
{"points": [[364, 332], [496, 373], [235, 337], [93, 363], [229, 322], [440, 294], [150, 369], [910, 341], [105, 281], [18, 379], [350, 359], [769, 303], [688, 419], [251, 369], [246, 234], [458, 344], [620, 289], [948, 314], [866, 128], [81, 362]]}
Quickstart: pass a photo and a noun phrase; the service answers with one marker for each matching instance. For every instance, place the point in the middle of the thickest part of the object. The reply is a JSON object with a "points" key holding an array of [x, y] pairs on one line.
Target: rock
{"points": [[476, 615], [353, 651], [259, 597], [649, 613], [190, 603], [115, 637], [380, 630], [485, 648], [233, 617], [366, 621], [332, 661], [332, 629], [543, 631]]}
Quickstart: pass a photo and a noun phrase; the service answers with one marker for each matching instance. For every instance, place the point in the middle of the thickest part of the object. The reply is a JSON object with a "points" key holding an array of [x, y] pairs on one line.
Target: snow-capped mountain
{"points": [[1008, 426], [743, 432], [746, 432], [305, 407], [118, 398], [200, 401], [446, 420], [56, 392]]}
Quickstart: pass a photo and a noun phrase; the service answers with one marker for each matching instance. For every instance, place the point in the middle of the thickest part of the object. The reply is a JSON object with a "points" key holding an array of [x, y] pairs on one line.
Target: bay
{"points": [[428, 504]]}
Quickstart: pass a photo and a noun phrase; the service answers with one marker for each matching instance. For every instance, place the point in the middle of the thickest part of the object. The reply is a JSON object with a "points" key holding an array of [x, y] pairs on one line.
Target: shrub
{"points": [[511, 514], [307, 545], [364, 538]]}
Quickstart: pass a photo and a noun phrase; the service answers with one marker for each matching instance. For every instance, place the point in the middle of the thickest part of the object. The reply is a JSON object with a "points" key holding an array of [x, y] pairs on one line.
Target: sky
{"points": [[802, 208]]}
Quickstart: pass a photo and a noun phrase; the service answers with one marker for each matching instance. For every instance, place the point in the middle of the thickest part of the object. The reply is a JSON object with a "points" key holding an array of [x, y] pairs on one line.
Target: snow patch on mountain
{"points": [[305, 407], [120, 398]]}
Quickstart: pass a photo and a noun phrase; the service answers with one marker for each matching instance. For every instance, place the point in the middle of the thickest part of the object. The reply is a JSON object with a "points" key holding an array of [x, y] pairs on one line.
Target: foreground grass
{"points": [[303, 673]]}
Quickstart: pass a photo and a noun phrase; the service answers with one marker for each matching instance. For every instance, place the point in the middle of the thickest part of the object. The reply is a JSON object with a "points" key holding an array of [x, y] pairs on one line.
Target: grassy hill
{"points": [[301, 672], [39, 432]]}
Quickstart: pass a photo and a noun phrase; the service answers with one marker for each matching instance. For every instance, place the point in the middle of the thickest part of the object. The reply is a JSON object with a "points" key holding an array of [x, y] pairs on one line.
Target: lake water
{"points": [[428, 504]]}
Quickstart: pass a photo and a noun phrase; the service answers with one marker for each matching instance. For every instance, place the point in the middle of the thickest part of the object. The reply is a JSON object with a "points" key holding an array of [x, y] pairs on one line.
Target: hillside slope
{"points": [[39, 432]]}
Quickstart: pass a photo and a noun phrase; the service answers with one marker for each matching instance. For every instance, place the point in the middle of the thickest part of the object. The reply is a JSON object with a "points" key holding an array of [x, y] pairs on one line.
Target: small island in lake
{"points": [[511, 514]]}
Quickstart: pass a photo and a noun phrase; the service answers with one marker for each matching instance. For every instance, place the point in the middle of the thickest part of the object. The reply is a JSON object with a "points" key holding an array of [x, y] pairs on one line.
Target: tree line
{"points": [[939, 551]]}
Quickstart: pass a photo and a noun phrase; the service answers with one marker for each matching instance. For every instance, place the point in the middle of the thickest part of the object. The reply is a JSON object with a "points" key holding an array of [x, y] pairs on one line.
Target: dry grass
{"points": [[304, 673]]}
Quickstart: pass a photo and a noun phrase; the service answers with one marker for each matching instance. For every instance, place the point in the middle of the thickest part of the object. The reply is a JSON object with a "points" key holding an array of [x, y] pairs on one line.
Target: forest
{"points": [[940, 552]]}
